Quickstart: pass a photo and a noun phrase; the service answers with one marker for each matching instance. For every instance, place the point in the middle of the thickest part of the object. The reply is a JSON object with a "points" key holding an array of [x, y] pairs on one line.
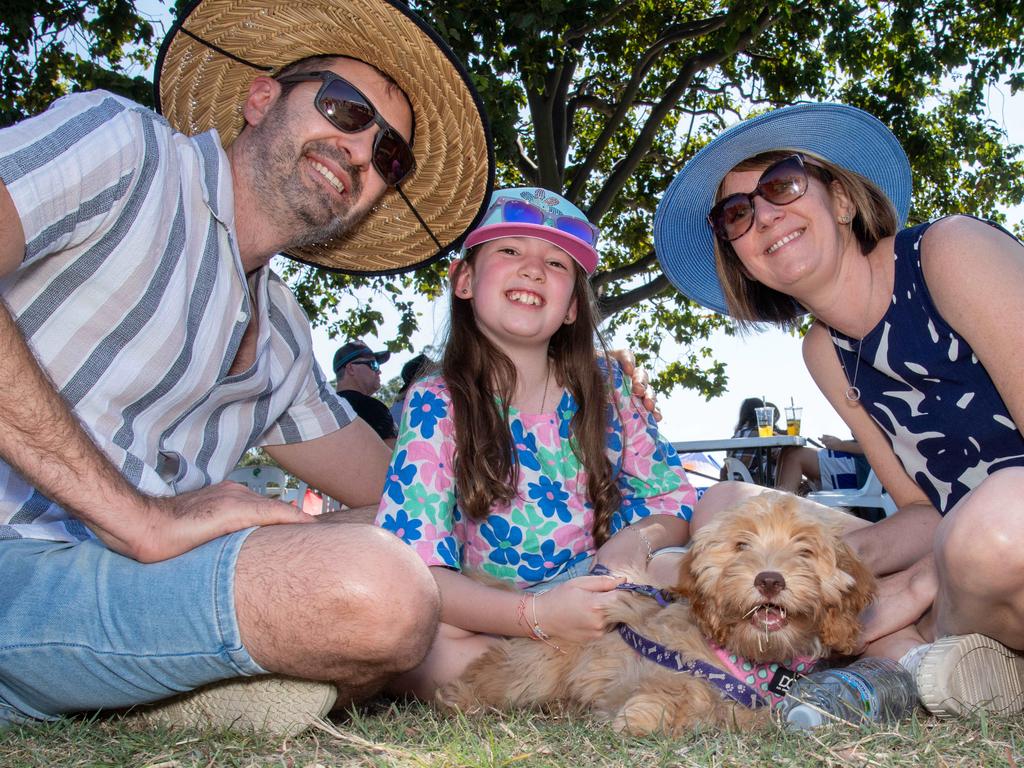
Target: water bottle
{"points": [[869, 690]]}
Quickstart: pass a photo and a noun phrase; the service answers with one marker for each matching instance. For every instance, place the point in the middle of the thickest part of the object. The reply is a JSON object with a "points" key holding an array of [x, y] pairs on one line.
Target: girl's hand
{"points": [[576, 610]]}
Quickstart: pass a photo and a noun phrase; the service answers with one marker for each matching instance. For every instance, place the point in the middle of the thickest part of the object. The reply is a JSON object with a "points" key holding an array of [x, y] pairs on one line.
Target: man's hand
{"points": [[641, 382], [175, 524]]}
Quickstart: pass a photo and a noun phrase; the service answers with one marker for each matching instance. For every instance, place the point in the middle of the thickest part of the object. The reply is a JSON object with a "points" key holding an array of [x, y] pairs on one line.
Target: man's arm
{"points": [[348, 464], [43, 441]]}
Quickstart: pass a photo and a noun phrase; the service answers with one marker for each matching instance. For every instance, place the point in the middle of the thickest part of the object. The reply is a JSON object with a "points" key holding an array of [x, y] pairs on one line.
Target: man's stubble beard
{"points": [[308, 215]]}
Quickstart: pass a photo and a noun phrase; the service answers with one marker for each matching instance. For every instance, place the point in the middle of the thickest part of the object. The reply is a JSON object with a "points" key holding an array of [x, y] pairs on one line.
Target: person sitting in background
{"points": [[411, 371], [761, 473], [358, 370], [841, 464]]}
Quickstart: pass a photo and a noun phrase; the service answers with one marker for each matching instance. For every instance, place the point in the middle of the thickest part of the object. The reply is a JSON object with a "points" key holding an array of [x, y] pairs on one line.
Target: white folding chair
{"points": [[736, 470], [871, 494], [262, 479]]}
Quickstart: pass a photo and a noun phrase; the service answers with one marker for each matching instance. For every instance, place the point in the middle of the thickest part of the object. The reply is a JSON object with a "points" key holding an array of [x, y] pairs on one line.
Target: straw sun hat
{"points": [[845, 136], [217, 47]]}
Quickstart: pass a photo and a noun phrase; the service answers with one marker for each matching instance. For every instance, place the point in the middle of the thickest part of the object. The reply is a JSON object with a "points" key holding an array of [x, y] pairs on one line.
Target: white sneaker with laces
{"points": [[962, 674]]}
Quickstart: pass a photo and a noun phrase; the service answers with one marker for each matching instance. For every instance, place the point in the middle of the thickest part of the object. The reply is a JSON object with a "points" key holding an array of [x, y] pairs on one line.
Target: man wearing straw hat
{"points": [[147, 346]]}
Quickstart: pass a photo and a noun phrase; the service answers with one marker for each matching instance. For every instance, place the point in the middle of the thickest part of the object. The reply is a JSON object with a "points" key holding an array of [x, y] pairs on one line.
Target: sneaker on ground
{"points": [[962, 674], [281, 706]]}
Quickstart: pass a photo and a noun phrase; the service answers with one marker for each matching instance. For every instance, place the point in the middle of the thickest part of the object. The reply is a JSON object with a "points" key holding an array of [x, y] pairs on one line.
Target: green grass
{"points": [[415, 735]]}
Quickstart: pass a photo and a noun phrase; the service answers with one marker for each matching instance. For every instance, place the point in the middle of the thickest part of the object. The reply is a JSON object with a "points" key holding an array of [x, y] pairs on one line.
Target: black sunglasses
{"points": [[348, 110], [780, 184], [373, 364]]}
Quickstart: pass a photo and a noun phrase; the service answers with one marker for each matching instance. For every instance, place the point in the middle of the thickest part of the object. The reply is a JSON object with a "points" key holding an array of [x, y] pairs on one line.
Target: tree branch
{"points": [[607, 307], [581, 33], [673, 35], [603, 278], [625, 168], [524, 162]]}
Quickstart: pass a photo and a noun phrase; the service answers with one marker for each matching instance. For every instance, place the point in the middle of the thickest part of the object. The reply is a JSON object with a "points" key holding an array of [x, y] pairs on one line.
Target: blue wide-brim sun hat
{"points": [[845, 136]]}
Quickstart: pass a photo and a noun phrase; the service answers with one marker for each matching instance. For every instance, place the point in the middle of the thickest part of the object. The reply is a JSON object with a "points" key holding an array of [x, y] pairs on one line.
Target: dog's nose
{"points": [[769, 583]]}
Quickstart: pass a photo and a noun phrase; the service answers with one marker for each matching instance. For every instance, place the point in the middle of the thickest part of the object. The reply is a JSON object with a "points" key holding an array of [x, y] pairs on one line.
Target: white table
{"points": [[739, 443], [761, 444]]}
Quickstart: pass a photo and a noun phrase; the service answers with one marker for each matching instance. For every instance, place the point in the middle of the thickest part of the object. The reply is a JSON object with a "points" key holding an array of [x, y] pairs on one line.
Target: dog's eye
{"points": [[806, 553], [741, 546]]}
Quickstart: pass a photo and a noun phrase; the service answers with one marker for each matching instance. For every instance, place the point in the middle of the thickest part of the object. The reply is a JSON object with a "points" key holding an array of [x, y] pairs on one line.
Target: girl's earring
{"points": [[845, 219], [465, 291]]}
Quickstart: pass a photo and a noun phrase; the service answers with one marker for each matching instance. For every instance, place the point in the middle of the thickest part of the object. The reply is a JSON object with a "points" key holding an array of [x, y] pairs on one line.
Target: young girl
{"points": [[526, 460]]}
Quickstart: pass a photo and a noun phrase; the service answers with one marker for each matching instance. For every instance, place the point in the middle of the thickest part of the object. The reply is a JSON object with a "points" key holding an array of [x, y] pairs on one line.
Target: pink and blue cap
{"points": [[535, 212]]}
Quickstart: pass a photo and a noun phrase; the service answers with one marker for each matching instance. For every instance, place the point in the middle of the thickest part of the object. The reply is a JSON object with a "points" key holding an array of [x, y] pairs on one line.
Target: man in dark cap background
{"points": [[357, 369]]}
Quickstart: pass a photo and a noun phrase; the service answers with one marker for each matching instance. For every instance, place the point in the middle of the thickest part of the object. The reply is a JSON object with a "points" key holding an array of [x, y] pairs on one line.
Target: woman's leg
{"points": [[794, 465], [979, 554]]}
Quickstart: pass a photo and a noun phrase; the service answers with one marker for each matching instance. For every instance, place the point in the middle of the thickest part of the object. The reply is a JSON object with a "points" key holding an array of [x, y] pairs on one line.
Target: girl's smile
{"points": [[522, 291]]}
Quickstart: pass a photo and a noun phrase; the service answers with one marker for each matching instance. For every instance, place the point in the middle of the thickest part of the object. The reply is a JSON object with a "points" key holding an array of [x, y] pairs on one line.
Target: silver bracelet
{"points": [[645, 540]]}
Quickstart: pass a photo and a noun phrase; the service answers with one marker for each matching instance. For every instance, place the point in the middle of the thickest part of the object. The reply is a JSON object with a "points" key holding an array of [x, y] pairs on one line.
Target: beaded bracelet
{"points": [[538, 633]]}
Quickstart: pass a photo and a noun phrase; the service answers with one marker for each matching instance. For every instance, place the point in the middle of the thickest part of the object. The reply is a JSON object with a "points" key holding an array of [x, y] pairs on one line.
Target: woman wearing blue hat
{"points": [[915, 343]]}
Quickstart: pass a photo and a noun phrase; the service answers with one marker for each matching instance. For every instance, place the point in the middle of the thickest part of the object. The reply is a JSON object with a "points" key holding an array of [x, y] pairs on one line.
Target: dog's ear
{"points": [[841, 626]]}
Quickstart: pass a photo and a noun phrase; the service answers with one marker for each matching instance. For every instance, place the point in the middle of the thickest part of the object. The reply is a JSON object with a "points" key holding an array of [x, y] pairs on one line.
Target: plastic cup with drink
{"points": [[793, 419], [765, 421]]}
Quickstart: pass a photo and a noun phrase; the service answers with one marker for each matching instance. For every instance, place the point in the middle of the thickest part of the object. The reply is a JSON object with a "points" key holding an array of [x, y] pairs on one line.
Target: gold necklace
{"points": [[853, 391]]}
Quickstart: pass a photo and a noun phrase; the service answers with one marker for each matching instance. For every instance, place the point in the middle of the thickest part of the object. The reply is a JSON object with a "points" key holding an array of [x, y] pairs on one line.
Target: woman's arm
{"points": [[632, 546], [975, 276], [833, 443], [905, 537]]}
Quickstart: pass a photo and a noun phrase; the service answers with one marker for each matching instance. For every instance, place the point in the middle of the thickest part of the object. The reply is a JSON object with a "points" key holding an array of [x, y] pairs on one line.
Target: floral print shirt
{"points": [[547, 526]]}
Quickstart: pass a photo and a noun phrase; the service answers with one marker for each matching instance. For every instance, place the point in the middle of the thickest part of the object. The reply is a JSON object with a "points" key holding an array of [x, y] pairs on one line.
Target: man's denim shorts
{"points": [[83, 628]]}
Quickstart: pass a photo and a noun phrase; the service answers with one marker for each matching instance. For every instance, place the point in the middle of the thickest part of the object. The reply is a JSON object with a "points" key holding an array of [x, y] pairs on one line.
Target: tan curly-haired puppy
{"points": [[766, 580]]}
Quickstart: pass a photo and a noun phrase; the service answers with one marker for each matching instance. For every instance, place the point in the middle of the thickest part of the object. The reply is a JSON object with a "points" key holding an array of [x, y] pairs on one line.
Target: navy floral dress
{"points": [[921, 382]]}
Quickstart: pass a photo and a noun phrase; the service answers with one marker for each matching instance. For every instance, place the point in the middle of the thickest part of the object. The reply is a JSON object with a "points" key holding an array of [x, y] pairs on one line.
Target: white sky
{"points": [[765, 364]]}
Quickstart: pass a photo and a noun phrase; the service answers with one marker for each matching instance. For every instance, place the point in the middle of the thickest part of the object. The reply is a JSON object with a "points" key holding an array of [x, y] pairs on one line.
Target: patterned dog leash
{"points": [[727, 684], [661, 597]]}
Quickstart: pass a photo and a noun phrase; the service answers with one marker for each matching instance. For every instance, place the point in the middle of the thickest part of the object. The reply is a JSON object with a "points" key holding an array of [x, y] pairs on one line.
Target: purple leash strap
{"points": [[727, 685], [660, 596]]}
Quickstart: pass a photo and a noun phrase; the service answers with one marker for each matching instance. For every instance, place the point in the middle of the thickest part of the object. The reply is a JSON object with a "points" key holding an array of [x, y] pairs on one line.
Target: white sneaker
{"points": [[962, 674], [281, 706]]}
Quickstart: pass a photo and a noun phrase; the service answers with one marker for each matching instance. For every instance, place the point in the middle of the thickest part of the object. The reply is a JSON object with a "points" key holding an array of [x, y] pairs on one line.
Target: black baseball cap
{"points": [[354, 350]]}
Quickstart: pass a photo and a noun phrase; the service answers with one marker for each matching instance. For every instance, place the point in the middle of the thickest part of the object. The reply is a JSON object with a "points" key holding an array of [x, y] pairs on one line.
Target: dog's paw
{"points": [[645, 714], [457, 696]]}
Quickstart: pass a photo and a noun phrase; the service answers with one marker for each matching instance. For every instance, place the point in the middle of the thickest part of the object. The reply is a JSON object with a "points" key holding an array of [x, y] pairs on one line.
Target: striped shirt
{"points": [[133, 298]]}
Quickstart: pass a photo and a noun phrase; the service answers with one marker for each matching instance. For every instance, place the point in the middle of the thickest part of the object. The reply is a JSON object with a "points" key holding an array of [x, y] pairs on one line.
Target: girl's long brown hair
{"points": [[482, 381]]}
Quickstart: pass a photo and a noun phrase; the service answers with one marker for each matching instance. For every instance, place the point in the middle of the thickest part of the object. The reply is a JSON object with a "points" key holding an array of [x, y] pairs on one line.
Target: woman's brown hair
{"points": [[482, 380], [752, 302]]}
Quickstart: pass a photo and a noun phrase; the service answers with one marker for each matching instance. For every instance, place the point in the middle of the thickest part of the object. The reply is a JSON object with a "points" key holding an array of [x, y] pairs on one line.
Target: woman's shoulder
{"points": [[954, 234], [955, 248]]}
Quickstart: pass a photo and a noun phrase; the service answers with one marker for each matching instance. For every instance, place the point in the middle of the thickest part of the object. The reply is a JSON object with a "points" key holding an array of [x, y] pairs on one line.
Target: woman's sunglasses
{"points": [[348, 110], [513, 211], [780, 184]]}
